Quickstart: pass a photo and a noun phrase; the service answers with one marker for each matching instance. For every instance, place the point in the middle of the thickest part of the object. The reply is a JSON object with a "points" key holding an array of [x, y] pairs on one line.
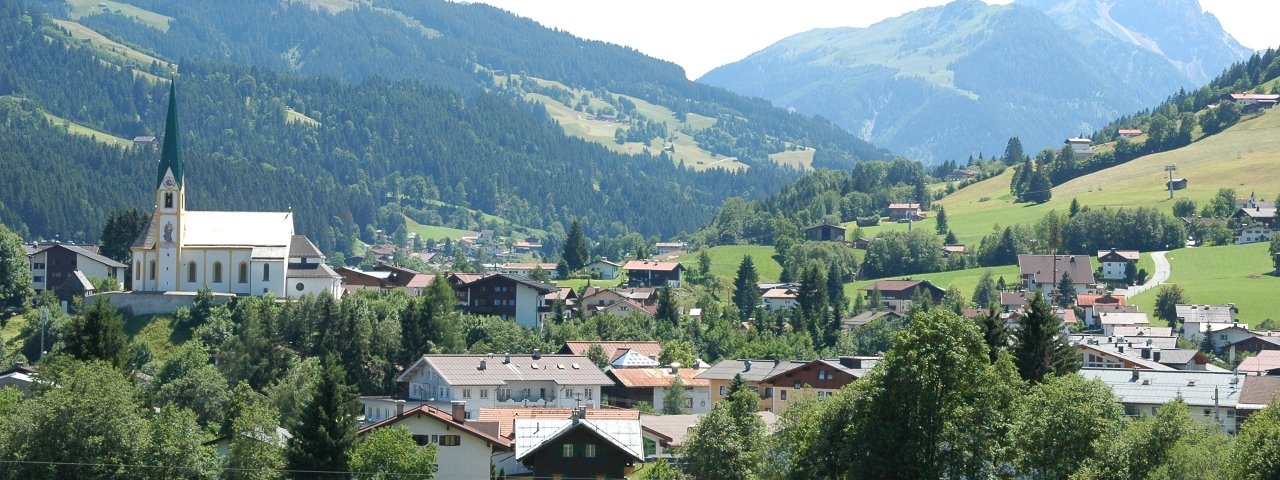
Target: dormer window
{"points": [[168, 200]]}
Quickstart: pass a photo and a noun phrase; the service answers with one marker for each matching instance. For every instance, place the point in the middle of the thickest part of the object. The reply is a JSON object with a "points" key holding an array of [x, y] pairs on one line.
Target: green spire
{"points": [[171, 154]]}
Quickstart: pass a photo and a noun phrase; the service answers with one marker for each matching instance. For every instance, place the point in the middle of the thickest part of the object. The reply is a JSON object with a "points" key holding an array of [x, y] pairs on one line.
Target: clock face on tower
{"points": [[169, 182]]}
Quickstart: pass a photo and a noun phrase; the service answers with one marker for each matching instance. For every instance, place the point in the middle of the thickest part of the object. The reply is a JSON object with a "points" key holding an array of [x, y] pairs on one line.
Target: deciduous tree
{"points": [[390, 452], [1060, 423]]}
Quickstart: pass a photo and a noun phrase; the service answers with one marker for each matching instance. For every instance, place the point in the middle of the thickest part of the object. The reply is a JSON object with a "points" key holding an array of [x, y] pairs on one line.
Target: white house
{"points": [[527, 269], [1212, 396], [1080, 145], [243, 253], [605, 269], [1045, 272], [1253, 233], [1114, 262], [776, 299], [1111, 320], [504, 380], [53, 264], [668, 248], [465, 449], [1197, 319], [508, 296]]}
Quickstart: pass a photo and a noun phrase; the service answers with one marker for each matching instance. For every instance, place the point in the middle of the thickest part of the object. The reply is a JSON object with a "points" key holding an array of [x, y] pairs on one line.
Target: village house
{"points": [[579, 447], [952, 249], [565, 296], [1212, 396], [1255, 394], [1113, 263], [596, 300], [529, 245], [1097, 304], [962, 174], [504, 380], [145, 141], [67, 269], [1221, 336], [667, 433], [669, 248], [465, 448], [1252, 102], [1045, 272], [527, 269], [613, 349], [1253, 233], [1253, 210], [1110, 321], [1128, 132], [628, 307], [649, 385], [1255, 342], [1198, 319], [1266, 362], [897, 294], [868, 317], [512, 297], [778, 299], [824, 232], [776, 381], [505, 418], [645, 273], [603, 269], [1080, 146], [905, 211]]}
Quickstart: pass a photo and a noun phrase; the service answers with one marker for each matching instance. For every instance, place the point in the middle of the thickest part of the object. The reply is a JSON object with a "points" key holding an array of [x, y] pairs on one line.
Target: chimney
{"points": [[675, 368], [1134, 378], [1155, 355], [459, 410], [746, 365], [1146, 353], [1119, 348], [579, 413], [506, 358], [537, 354], [399, 407], [483, 364]]}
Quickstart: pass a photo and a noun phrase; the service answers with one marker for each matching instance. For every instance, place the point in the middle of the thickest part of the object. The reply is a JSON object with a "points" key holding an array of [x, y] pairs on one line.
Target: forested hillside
{"points": [[348, 156]]}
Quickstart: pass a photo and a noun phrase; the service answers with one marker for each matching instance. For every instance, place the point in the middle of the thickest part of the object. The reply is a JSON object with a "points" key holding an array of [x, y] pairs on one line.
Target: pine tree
{"points": [[1013, 151], [1039, 349], [812, 300], [668, 315], [951, 238], [576, 251], [98, 334], [326, 432], [1075, 208], [876, 301], [985, 294], [941, 225], [994, 333], [838, 302], [704, 266], [1040, 188], [746, 289], [1066, 291]]}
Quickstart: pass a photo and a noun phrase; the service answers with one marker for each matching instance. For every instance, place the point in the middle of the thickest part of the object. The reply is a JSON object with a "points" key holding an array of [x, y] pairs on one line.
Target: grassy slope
{"points": [[84, 8], [725, 260], [78, 129], [110, 47], [1239, 274], [965, 280], [433, 232]]}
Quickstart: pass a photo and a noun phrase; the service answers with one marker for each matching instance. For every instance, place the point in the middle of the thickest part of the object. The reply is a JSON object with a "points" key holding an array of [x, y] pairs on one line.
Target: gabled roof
{"points": [[520, 279], [605, 262], [633, 359], [613, 349], [751, 370], [1089, 299], [78, 250], [643, 265], [310, 270], [827, 225], [904, 206], [548, 267], [1042, 268], [1141, 331], [300, 246], [868, 317], [1196, 388], [1262, 363], [1124, 319], [650, 310], [1206, 313], [506, 417], [467, 369], [657, 377], [901, 285], [857, 367], [1254, 96], [534, 434], [779, 293], [427, 411], [1258, 392], [1114, 255], [564, 293]]}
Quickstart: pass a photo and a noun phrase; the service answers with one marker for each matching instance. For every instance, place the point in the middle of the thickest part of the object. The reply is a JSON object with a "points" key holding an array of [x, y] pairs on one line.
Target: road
{"points": [[1159, 277]]}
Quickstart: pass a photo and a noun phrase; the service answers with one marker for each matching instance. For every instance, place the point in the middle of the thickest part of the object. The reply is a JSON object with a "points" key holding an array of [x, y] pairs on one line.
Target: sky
{"points": [[700, 35]]}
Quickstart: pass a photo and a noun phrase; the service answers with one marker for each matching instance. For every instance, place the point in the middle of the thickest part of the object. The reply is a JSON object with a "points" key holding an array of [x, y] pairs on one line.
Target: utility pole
{"points": [[1170, 169], [44, 320]]}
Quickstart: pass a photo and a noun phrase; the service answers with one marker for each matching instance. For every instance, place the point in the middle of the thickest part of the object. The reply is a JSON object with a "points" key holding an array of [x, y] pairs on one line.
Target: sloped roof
{"points": [[904, 206], [534, 434], [642, 265], [1089, 299], [237, 229], [465, 369], [1124, 319], [1258, 392], [1196, 388], [672, 428], [443, 417], [506, 417], [633, 359], [1206, 313], [1141, 331], [79, 250], [868, 317], [1042, 268], [1114, 255], [657, 377], [900, 285], [521, 279], [301, 246], [613, 349], [751, 370], [1265, 361], [779, 293], [310, 270]]}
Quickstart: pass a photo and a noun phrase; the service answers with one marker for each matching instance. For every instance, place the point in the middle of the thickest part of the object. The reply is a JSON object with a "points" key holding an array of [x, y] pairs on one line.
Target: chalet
{"points": [[1128, 132], [613, 349], [1095, 305], [579, 447], [905, 211], [862, 242], [384, 277], [1045, 272], [1253, 233], [527, 269], [1256, 392], [1115, 262], [1255, 211], [1141, 353], [776, 380], [1257, 343], [1110, 321], [952, 249], [603, 269], [1212, 396], [66, 269], [649, 385], [18, 377], [644, 273], [565, 296], [668, 248], [825, 232], [868, 317], [504, 380], [527, 246], [897, 294], [596, 299], [1176, 184], [962, 174], [1014, 301], [628, 307], [1198, 319], [1080, 146], [146, 141], [512, 297], [777, 299], [1252, 102], [1221, 336], [466, 448]]}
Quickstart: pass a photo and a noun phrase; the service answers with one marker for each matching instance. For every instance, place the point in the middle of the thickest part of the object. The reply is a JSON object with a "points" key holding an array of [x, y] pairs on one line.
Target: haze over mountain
{"points": [[947, 82]]}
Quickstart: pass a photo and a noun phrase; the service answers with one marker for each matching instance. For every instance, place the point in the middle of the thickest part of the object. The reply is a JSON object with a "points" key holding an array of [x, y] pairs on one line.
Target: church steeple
{"points": [[171, 154]]}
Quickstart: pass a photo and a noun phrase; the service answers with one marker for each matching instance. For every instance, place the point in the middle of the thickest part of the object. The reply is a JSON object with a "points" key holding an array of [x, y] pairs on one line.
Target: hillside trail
{"points": [[1159, 277]]}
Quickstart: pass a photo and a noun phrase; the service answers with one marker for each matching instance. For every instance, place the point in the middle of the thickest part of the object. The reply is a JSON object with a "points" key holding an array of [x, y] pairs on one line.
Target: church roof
{"points": [[231, 229], [300, 246], [311, 270], [171, 153]]}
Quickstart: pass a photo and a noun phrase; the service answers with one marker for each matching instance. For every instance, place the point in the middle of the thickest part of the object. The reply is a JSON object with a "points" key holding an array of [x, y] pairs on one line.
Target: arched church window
{"points": [[217, 272], [168, 200], [191, 272], [153, 270], [266, 273], [137, 270], [243, 276]]}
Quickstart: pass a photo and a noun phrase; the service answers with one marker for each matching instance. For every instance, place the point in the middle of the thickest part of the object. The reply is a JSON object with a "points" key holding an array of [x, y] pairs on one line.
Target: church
{"points": [[239, 253]]}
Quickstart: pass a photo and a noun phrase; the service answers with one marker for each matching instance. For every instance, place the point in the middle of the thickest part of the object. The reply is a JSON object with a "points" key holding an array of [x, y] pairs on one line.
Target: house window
{"points": [[589, 451], [153, 270], [37, 266], [782, 394], [217, 272], [796, 385], [484, 393], [466, 393], [191, 272], [450, 440], [724, 390], [421, 440], [299, 286], [266, 273], [688, 402], [137, 270], [822, 375], [243, 276], [587, 393], [168, 200], [37, 278], [566, 450]]}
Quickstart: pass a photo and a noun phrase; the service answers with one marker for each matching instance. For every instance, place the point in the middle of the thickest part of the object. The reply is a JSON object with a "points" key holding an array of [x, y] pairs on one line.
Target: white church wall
{"points": [[313, 286]]}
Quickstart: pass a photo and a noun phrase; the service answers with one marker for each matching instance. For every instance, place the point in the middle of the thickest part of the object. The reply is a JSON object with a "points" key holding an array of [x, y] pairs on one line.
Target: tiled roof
{"points": [[779, 293], [1042, 268], [91, 255], [904, 206], [534, 434], [466, 369], [1259, 391], [1114, 255], [751, 370], [506, 417], [857, 367], [301, 246], [1014, 299], [641, 265], [1124, 319], [564, 293], [657, 377], [1264, 361], [1089, 299], [528, 266], [903, 285], [673, 428], [521, 279], [614, 349], [1196, 388], [443, 417]]}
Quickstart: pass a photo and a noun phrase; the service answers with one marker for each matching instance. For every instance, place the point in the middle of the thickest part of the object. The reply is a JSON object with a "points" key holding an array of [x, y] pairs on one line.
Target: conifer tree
{"points": [[985, 294], [941, 225], [1066, 291], [668, 315], [576, 250], [838, 302], [1013, 151], [812, 300], [98, 334], [1039, 349], [326, 432], [746, 289]]}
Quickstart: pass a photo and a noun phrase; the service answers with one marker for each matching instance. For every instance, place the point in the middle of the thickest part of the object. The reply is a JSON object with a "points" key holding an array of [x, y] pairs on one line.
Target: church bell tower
{"points": [[171, 202]]}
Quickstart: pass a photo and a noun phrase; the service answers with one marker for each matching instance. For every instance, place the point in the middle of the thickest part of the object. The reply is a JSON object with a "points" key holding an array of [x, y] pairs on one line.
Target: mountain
{"points": [[360, 116], [956, 80]]}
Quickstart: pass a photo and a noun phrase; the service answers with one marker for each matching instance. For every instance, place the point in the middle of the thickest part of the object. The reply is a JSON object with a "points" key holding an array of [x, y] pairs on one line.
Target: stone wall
{"points": [[140, 303]]}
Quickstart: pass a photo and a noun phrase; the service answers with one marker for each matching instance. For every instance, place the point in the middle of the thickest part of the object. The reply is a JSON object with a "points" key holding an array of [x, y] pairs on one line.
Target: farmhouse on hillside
{"points": [[824, 232]]}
